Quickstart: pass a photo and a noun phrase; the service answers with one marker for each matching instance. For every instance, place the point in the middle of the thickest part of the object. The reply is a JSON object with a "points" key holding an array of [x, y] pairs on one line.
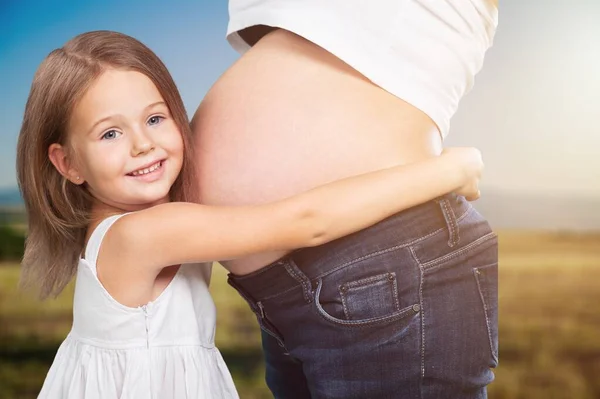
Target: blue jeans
{"points": [[407, 308]]}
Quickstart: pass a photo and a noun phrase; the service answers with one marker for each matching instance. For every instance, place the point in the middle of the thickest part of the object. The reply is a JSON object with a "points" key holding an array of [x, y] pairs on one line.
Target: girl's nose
{"points": [[142, 145]]}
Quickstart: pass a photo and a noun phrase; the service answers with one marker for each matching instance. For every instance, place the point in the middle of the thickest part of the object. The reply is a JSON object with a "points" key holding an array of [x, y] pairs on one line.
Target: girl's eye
{"points": [[110, 135], [155, 120]]}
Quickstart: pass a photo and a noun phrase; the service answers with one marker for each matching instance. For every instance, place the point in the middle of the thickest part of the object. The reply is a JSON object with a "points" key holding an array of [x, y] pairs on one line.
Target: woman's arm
{"points": [[177, 233]]}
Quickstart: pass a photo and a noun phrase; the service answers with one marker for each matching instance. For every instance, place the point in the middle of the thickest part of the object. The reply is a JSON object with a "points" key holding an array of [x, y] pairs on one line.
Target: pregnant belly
{"points": [[289, 116]]}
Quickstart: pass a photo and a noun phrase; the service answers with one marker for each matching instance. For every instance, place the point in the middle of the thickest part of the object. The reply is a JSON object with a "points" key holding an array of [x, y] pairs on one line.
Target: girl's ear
{"points": [[63, 164]]}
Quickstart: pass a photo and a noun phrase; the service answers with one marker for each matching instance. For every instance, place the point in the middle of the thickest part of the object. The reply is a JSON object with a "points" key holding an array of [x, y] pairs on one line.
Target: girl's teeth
{"points": [[147, 170]]}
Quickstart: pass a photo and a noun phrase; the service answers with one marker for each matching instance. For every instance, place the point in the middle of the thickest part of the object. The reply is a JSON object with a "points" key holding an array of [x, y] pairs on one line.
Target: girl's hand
{"points": [[470, 163]]}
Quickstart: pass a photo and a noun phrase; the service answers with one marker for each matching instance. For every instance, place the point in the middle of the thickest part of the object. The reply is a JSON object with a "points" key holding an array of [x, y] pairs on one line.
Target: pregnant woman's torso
{"points": [[289, 116]]}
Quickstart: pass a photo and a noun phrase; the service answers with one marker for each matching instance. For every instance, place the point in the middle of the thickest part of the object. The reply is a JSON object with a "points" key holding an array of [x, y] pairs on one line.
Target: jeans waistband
{"points": [[304, 265]]}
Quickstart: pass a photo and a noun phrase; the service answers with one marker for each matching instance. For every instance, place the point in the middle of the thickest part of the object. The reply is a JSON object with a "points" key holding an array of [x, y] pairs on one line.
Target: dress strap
{"points": [[93, 245]]}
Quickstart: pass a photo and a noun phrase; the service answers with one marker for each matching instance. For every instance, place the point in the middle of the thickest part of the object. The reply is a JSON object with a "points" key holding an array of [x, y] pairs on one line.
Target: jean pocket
{"points": [[370, 297], [369, 301], [487, 284]]}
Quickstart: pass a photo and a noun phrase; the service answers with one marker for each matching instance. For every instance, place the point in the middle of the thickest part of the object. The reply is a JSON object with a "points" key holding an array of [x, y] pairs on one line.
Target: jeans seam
{"points": [[477, 272], [421, 281], [272, 334], [394, 248], [345, 287], [433, 264], [346, 313], [364, 257], [291, 267], [376, 253], [359, 323], [395, 291], [261, 322], [450, 218], [281, 293], [253, 306]]}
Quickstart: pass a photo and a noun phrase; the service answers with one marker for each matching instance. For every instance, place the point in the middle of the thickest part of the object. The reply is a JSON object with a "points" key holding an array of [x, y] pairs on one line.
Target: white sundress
{"points": [[163, 350]]}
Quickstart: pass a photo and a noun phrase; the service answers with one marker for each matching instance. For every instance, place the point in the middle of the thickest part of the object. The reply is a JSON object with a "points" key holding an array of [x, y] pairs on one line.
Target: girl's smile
{"points": [[126, 146], [149, 173]]}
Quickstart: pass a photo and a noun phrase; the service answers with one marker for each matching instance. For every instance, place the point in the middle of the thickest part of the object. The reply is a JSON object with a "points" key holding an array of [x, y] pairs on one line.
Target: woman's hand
{"points": [[469, 160]]}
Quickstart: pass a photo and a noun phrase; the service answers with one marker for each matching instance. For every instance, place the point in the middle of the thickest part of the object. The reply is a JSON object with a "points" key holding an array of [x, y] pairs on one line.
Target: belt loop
{"points": [[299, 276], [450, 218]]}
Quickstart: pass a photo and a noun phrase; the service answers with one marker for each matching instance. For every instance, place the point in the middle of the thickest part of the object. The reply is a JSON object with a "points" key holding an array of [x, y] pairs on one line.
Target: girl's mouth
{"points": [[152, 169]]}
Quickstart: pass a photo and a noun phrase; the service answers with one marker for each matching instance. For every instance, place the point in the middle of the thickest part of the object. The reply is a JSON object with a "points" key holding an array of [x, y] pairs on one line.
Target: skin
{"points": [[114, 135]]}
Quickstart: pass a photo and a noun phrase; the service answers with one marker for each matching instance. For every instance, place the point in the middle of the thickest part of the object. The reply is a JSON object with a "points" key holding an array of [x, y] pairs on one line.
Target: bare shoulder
{"points": [[119, 270], [144, 239]]}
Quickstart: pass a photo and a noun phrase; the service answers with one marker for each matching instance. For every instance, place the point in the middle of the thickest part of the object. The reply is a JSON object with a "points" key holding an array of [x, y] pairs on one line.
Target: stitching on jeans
{"points": [[259, 317], [444, 208], [346, 312], [272, 334], [292, 272], [451, 222], [372, 254], [395, 292], [476, 272], [281, 293], [366, 282], [367, 256], [457, 237], [432, 264], [359, 323], [455, 226], [421, 282], [399, 246], [302, 279]]}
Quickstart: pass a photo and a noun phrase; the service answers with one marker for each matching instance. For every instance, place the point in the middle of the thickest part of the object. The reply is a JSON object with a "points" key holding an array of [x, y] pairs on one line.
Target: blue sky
{"points": [[189, 36], [533, 111]]}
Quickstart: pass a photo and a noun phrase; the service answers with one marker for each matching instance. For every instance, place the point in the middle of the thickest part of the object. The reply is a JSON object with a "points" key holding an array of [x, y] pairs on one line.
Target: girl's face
{"points": [[124, 143]]}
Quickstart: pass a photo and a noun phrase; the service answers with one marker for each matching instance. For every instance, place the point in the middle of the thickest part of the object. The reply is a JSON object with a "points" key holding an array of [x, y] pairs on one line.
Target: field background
{"points": [[549, 324], [533, 112]]}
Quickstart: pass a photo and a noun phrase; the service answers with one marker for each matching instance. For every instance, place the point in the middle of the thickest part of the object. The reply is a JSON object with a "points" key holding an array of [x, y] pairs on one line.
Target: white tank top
{"points": [[164, 349], [426, 52]]}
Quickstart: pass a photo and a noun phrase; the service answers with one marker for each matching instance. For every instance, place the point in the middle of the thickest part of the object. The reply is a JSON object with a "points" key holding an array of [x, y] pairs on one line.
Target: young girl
{"points": [[104, 166]]}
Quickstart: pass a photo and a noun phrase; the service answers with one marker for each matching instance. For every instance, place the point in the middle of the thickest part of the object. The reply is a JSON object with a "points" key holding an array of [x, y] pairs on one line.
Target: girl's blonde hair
{"points": [[58, 211]]}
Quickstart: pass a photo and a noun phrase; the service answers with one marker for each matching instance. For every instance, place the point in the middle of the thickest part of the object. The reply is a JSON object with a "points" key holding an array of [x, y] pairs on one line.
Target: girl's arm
{"points": [[177, 233]]}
